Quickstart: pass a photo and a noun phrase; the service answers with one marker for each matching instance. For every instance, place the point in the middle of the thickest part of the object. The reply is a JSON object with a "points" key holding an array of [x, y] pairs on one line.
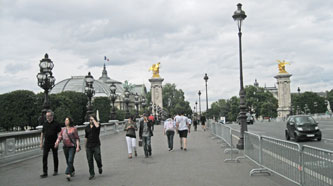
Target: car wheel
{"points": [[287, 135]]}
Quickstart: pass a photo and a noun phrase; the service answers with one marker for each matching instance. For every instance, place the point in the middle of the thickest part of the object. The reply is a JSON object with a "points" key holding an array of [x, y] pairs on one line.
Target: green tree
{"points": [[17, 109], [102, 104], [174, 100], [257, 100], [308, 102]]}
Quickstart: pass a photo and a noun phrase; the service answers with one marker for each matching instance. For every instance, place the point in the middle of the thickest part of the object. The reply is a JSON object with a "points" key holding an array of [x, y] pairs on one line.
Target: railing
{"points": [[17, 146], [225, 133], [306, 166]]}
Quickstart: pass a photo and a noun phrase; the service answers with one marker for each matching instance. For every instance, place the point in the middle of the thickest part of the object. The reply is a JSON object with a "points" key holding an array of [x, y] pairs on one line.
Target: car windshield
{"points": [[304, 120]]}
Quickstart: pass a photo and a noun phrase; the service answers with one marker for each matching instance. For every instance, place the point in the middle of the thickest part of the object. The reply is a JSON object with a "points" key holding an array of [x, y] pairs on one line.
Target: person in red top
{"points": [[151, 118], [71, 141]]}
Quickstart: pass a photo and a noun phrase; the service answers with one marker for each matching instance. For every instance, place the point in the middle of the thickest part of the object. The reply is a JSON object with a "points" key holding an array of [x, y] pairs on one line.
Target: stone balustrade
{"points": [[21, 145]]}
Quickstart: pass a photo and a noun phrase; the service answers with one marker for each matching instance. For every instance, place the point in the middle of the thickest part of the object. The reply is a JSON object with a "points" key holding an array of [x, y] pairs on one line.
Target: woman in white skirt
{"points": [[130, 129]]}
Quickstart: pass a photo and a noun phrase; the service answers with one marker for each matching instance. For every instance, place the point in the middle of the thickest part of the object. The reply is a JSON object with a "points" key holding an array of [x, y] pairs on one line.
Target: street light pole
{"points": [[239, 16], [113, 95], [89, 90], [206, 79], [196, 107], [199, 93], [45, 81]]}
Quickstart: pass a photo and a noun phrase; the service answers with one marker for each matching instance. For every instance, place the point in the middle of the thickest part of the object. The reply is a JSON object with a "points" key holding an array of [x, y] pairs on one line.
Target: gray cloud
{"points": [[189, 37]]}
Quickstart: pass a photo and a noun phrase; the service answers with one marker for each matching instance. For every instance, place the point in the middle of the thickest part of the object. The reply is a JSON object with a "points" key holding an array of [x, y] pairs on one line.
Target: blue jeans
{"points": [[69, 155], [146, 143], [170, 135]]}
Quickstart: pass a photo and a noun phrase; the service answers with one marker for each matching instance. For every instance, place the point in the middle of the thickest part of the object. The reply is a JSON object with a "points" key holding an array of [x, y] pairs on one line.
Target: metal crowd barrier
{"points": [[305, 166], [317, 166], [224, 133]]}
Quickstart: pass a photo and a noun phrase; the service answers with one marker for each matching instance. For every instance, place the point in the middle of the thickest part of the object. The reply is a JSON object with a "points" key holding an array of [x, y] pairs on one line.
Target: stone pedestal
{"points": [[284, 96], [156, 91]]}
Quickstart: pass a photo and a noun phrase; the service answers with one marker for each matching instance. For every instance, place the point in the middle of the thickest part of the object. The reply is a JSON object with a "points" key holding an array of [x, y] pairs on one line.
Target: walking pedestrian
{"points": [[130, 129], [182, 126], [48, 137], [93, 146], [145, 134], [195, 122], [169, 131], [203, 122], [71, 141]]}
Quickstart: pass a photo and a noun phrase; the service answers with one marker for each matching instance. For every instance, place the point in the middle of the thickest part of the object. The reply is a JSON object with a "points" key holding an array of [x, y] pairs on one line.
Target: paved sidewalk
{"points": [[202, 165]]}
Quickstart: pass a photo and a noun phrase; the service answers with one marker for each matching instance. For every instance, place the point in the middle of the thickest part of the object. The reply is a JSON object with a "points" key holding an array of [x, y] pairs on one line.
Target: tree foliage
{"points": [[174, 100], [102, 104], [308, 102]]}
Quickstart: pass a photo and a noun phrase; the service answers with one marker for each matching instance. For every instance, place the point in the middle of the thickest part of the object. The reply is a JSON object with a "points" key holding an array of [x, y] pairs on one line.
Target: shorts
{"points": [[183, 133]]}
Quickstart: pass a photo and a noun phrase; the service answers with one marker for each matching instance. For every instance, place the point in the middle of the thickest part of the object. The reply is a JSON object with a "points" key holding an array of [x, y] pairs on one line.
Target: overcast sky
{"points": [[189, 38]]}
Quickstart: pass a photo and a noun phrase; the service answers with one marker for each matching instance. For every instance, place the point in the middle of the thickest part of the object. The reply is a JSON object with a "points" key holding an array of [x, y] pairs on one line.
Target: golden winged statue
{"points": [[282, 66], [155, 68]]}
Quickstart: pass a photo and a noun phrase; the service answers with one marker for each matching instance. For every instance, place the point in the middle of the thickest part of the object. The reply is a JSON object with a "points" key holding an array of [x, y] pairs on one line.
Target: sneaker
{"points": [[181, 148], [55, 173], [73, 174], [171, 150], [68, 177], [100, 170], [91, 177], [43, 175], [185, 149], [135, 153]]}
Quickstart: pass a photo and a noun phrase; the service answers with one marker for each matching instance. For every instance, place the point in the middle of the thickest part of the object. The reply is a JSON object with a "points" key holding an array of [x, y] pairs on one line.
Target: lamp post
{"points": [[196, 107], [137, 102], [127, 100], [199, 93], [45, 81], [239, 16], [113, 97], [298, 90], [89, 91], [206, 79], [144, 104]]}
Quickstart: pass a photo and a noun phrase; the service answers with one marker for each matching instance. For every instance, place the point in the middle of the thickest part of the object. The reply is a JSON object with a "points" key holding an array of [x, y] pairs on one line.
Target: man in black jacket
{"points": [[48, 138], [145, 134]]}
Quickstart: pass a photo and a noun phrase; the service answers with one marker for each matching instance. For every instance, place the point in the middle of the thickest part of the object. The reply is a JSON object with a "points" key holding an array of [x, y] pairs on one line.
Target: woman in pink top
{"points": [[71, 141]]}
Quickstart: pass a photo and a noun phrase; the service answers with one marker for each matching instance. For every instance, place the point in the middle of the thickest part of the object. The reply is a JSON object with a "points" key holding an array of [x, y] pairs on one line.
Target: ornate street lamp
{"points": [[45, 81], [196, 107], [144, 104], [239, 16], [137, 102], [199, 93], [90, 92], [113, 97], [127, 100], [298, 90], [206, 79]]}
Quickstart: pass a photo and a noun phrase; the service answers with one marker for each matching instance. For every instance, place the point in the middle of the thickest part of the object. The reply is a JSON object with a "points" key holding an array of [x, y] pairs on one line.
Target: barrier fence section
{"points": [[317, 166], [224, 133], [305, 166], [21, 145]]}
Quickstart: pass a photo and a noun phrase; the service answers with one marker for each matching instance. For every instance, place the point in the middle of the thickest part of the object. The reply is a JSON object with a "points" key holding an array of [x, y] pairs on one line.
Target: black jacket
{"points": [[150, 128]]}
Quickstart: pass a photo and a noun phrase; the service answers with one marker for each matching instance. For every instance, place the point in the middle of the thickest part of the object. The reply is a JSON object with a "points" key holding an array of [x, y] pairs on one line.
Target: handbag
{"points": [[72, 140], [140, 143]]}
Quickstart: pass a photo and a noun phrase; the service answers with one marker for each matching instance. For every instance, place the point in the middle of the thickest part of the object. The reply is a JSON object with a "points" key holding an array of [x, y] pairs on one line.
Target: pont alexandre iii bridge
{"points": [[211, 160]]}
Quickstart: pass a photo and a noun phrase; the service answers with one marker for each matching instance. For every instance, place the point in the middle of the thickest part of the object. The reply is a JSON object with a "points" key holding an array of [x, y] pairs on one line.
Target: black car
{"points": [[302, 127]]}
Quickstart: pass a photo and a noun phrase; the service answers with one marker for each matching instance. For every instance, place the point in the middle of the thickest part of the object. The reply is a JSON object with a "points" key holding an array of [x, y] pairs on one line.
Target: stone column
{"points": [[284, 96], [156, 91]]}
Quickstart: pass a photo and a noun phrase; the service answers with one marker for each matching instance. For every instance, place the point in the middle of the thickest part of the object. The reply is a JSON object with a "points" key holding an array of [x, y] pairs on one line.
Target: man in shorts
{"points": [[183, 129]]}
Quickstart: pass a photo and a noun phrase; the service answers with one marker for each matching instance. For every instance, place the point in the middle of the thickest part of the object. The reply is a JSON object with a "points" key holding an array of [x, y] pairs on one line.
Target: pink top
{"points": [[66, 133]]}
